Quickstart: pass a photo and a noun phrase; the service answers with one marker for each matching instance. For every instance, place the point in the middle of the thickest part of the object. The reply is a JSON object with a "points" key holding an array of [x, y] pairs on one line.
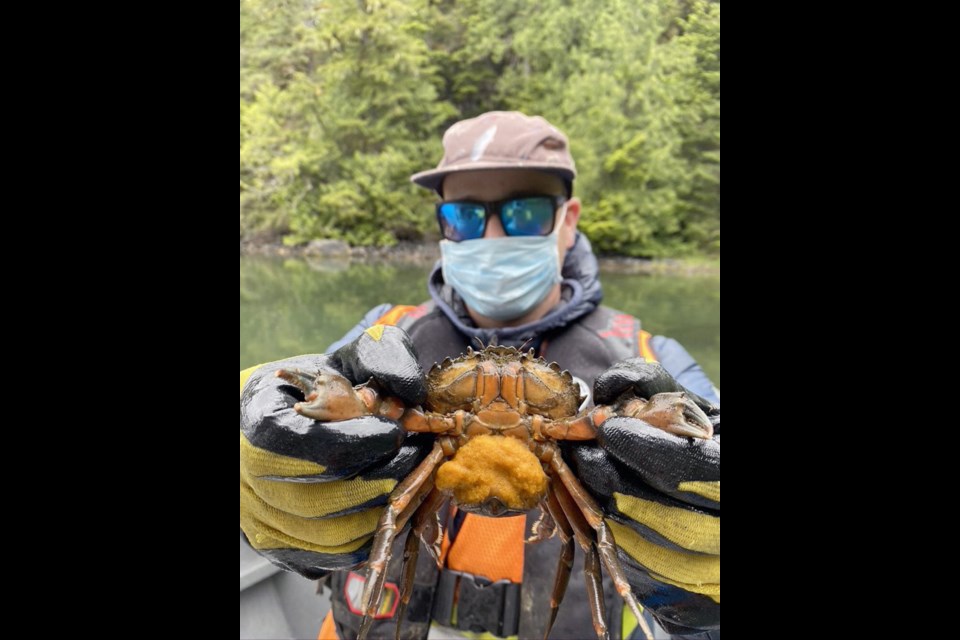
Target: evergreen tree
{"points": [[341, 100]]}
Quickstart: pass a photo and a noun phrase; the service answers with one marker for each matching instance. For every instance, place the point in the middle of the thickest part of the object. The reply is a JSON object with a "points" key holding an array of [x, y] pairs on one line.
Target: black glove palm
{"points": [[311, 492], [662, 494]]}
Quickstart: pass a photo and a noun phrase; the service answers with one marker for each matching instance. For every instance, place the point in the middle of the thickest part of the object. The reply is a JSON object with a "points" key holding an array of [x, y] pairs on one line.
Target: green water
{"points": [[289, 307]]}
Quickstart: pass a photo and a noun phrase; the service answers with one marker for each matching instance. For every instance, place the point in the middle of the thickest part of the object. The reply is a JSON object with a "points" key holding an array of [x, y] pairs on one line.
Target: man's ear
{"points": [[570, 221]]}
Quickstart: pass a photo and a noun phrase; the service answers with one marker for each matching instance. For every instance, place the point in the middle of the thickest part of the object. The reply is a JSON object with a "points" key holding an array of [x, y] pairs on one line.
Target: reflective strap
{"points": [[393, 316], [645, 350], [470, 603]]}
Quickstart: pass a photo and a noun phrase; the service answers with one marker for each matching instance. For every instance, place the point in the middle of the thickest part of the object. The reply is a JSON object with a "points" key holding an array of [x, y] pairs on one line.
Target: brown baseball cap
{"points": [[501, 140]]}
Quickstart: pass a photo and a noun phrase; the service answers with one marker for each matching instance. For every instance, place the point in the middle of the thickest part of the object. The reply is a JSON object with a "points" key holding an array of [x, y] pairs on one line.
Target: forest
{"points": [[342, 100]]}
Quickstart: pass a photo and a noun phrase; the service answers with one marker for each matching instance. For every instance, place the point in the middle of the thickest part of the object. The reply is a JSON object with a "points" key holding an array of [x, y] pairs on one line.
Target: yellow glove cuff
{"points": [[708, 490], [693, 572], [257, 462], [271, 528], [305, 499], [687, 529]]}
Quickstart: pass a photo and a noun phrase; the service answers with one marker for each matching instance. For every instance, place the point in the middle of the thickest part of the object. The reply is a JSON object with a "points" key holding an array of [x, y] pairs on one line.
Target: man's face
{"points": [[501, 184]]}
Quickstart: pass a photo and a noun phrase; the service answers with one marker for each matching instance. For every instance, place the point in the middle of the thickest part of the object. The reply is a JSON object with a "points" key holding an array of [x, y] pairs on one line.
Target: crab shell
{"points": [[502, 379]]}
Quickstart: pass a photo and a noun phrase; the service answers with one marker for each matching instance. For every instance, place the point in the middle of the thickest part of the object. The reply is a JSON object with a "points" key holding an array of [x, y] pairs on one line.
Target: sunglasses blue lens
{"points": [[533, 216], [528, 216], [461, 220]]}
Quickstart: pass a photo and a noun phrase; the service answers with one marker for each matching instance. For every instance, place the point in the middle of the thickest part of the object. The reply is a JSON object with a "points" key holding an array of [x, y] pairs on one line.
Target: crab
{"points": [[497, 415]]}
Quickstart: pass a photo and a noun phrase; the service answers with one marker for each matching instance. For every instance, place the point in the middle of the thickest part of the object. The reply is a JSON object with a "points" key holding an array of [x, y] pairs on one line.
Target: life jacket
{"points": [[492, 582]]}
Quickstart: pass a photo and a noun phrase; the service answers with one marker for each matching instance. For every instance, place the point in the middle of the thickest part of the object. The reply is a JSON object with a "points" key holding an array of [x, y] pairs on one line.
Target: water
{"points": [[289, 307]]}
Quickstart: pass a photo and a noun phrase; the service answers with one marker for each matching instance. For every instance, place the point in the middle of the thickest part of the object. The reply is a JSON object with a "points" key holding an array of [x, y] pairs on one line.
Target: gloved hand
{"points": [[662, 494], [311, 492]]}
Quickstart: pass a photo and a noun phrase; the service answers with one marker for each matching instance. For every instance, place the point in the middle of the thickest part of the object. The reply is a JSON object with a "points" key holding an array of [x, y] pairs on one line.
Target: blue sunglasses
{"points": [[520, 216]]}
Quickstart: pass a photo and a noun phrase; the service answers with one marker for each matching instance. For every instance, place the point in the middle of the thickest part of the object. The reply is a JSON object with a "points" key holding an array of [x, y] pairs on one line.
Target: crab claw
{"points": [[673, 412], [326, 396], [299, 379]]}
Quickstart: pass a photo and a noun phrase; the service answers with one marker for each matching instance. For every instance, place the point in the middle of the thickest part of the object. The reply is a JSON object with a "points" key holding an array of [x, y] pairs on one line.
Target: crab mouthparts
{"points": [[491, 507]]}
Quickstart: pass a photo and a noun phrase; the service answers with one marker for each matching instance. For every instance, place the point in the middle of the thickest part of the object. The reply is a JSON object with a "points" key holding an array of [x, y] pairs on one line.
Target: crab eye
{"points": [[586, 396]]}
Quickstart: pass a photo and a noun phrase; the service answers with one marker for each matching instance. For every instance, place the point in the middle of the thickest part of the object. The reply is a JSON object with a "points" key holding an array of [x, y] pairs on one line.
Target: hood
{"points": [[580, 293]]}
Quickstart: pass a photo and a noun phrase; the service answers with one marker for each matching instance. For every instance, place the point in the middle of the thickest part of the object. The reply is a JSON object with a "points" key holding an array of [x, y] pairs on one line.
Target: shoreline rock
{"points": [[329, 250], [427, 253]]}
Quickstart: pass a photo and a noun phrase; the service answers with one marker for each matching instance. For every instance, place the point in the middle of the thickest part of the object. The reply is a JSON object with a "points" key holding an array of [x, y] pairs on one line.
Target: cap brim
{"points": [[433, 178]]}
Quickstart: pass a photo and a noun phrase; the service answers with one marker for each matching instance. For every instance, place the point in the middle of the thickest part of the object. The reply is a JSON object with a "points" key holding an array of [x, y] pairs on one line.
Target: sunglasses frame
{"points": [[496, 208]]}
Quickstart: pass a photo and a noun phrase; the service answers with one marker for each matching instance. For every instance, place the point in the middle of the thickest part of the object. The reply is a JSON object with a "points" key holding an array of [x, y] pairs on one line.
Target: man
{"points": [[514, 272]]}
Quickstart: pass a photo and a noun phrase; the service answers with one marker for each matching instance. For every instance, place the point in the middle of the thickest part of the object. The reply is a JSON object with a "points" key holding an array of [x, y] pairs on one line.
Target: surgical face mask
{"points": [[503, 278]]}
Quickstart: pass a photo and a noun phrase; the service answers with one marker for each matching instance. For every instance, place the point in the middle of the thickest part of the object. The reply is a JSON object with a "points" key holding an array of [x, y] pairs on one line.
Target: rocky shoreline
{"points": [[330, 250], [427, 253]]}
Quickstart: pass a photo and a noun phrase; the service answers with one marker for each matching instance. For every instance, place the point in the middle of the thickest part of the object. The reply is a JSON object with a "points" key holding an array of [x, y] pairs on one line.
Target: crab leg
{"points": [[409, 512], [591, 571], [605, 542], [545, 527], [591, 565], [565, 564], [424, 519], [582, 529], [390, 523], [426, 524], [411, 551], [428, 422], [582, 427]]}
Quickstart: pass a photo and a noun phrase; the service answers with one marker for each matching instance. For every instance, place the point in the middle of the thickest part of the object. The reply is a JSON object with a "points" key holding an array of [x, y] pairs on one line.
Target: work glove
{"points": [[312, 491], [661, 494]]}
